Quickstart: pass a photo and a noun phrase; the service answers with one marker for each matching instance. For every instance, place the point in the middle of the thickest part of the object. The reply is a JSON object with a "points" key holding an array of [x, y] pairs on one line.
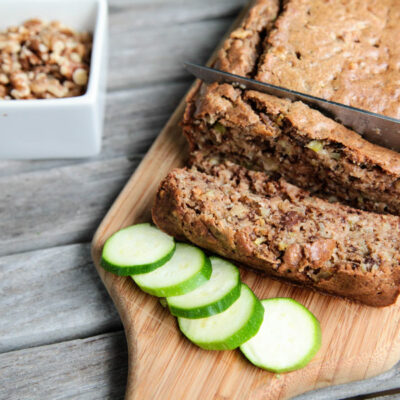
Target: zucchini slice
{"points": [[215, 296], [188, 269], [229, 329], [137, 249], [288, 339]]}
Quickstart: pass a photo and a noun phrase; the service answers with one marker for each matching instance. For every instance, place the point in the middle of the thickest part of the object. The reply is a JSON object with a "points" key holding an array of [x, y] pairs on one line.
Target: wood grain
{"points": [[352, 347], [52, 295], [163, 30], [85, 369], [55, 199], [385, 384]]}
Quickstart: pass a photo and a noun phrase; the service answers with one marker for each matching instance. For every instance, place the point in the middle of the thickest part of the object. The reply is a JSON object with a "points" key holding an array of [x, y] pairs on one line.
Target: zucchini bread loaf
{"points": [[279, 229], [346, 51]]}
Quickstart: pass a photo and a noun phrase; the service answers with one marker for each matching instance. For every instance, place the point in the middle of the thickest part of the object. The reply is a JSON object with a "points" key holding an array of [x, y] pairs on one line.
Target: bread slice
{"points": [[283, 231], [298, 143], [303, 47]]}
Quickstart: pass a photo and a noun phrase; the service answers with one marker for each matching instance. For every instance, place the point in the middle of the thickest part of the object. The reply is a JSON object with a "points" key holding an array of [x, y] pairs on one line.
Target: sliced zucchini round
{"points": [[229, 329], [137, 249], [288, 339], [215, 296], [188, 269]]}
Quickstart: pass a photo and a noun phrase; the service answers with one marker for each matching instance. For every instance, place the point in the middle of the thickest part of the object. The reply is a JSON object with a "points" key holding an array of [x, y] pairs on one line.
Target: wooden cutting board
{"points": [[358, 341]]}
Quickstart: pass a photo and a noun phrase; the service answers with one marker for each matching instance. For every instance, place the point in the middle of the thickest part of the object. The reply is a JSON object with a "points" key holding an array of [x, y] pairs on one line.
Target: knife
{"points": [[376, 128]]}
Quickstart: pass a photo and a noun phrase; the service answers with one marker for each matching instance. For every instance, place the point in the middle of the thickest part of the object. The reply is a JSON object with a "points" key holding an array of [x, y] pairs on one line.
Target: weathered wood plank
{"points": [[145, 56], [59, 206], [135, 117], [52, 295], [383, 396], [387, 381], [128, 14], [92, 368], [150, 39]]}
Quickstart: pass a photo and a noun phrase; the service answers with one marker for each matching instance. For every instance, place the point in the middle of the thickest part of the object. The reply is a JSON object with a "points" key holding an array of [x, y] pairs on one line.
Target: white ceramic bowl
{"points": [[57, 128]]}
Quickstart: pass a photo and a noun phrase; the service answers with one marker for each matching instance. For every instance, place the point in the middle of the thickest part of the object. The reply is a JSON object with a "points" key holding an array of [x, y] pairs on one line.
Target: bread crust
{"points": [[344, 51], [282, 231]]}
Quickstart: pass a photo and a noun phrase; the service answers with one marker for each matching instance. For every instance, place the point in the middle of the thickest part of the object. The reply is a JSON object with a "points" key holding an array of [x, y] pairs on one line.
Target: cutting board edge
{"points": [[111, 281]]}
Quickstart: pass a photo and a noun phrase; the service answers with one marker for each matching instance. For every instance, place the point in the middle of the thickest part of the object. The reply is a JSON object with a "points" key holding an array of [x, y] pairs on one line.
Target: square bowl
{"points": [[58, 128]]}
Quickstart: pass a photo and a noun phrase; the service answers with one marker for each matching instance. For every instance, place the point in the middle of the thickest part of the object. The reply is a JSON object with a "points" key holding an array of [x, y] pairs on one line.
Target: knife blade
{"points": [[378, 129]]}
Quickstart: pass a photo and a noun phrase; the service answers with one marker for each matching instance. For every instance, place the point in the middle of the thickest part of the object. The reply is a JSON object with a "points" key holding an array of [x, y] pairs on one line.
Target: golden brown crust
{"points": [[345, 51], [231, 107], [315, 126], [239, 215], [240, 51]]}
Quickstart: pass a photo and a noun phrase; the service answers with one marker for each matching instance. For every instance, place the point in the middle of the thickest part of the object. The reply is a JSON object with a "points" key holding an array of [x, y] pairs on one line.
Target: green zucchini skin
{"points": [[123, 269], [136, 269], [201, 277], [210, 309], [234, 328], [246, 332]]}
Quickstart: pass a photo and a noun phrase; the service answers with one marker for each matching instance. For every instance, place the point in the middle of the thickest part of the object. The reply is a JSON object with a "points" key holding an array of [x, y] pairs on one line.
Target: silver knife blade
{"points": [[376, 128]]}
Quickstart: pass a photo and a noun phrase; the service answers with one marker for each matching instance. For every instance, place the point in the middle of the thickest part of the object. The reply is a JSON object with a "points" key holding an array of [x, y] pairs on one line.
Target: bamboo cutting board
{"points": [[358, 342]]}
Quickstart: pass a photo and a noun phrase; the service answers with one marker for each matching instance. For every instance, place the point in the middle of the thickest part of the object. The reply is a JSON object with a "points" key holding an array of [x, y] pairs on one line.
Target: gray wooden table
{"points": [[60, 335]]}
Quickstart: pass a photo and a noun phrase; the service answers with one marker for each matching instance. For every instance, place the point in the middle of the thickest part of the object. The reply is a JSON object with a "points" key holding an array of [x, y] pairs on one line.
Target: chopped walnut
{"points": [[41, 60], [20, 83], [80, 77], [320, 251], [293, 255]]}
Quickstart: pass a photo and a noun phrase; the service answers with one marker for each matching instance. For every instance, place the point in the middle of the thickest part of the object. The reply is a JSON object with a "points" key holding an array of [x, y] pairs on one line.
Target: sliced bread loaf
{"points": [[277, 228], [302, 46]]}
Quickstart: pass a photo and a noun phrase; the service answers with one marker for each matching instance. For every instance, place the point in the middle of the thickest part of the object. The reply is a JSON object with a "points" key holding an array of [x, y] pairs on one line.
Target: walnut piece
{"points": [[319, 251], [293, 255], [41, 60]]}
